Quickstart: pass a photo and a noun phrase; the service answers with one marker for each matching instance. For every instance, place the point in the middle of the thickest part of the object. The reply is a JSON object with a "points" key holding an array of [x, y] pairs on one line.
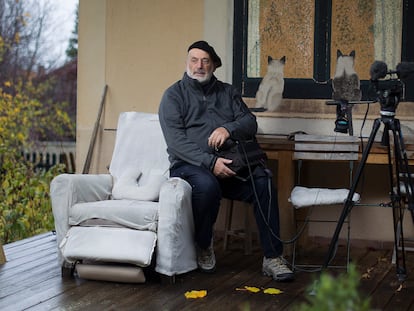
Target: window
{"points": [[309, 33]]}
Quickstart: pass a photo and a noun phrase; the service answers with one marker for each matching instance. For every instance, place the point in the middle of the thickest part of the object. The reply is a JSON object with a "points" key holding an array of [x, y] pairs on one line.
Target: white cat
{"points": [[269, 94], [345, 83]]}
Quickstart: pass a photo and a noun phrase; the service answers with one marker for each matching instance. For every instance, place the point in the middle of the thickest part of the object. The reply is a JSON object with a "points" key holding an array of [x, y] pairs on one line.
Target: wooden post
{"points": [[2, 255]]}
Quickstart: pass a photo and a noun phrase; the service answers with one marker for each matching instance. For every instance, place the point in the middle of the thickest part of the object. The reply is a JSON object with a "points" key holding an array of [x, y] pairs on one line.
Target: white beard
{"points": [[204, 79]]}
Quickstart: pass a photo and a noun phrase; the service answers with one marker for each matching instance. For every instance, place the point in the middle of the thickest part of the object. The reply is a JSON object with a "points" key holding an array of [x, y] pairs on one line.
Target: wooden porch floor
{"points": [[31, 280]]}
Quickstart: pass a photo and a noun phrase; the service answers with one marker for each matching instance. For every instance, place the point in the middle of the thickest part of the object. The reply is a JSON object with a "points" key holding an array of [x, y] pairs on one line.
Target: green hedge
{"points": [[25, 208]]}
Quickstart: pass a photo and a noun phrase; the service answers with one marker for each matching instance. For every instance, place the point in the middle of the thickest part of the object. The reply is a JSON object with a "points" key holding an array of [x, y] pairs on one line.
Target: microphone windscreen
{"points": [[405, 71], [378, 70]]}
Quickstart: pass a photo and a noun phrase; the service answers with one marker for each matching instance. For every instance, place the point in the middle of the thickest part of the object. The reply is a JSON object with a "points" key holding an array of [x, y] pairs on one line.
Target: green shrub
{"points": [[25, 203], [340, 293], [25, 207]]}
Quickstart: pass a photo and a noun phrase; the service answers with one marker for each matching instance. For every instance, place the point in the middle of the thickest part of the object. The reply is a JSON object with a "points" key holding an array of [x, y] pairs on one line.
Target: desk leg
{"points": [[2, 255], [285, 183]]}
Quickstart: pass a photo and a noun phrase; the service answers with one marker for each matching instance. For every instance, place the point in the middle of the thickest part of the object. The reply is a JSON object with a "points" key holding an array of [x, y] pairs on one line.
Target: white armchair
{"points": [[109, 226]]}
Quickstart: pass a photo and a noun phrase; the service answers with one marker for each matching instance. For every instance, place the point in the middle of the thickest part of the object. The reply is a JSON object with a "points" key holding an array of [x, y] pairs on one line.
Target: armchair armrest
{"points": [[69, 189], [175, 247]]}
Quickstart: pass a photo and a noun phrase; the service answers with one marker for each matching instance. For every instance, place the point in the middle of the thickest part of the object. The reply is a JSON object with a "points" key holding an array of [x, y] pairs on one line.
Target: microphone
{"points": [[405, 70], [378, 70]]}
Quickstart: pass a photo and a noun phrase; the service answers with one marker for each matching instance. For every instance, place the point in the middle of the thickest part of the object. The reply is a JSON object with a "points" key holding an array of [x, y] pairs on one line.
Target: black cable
{"points": [[266, 219]]}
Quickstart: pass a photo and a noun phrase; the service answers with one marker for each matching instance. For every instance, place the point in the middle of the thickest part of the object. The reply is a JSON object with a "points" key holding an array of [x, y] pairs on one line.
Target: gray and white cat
{"points": [[345, 83], [270, 92]]}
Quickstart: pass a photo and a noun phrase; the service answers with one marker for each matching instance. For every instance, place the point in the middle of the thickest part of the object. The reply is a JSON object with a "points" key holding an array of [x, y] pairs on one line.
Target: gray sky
{"points": [[63, 23]]}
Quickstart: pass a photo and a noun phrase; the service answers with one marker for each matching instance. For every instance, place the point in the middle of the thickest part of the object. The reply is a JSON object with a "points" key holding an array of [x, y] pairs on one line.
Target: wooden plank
{"points": [[390, 296], [396, 295], [21, 252], [292, 293], [320, 156], [224, 293], [36, 284], [20, 248], [26, 263], [374, 267], [27, 241], [14, 281], [327, 138], [40, 294], [385, 291], [229, 265], [326, 147]]}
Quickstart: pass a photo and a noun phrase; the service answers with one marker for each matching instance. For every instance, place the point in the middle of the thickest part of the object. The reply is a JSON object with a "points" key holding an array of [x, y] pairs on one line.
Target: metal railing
{"points": [[46, 154]]}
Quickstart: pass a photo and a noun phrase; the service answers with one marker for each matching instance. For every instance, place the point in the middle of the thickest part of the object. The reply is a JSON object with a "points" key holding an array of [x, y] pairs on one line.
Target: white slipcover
{"points": [[127, 231]]}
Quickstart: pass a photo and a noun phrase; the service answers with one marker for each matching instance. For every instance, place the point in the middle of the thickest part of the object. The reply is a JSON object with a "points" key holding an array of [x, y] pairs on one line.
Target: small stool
{"points": [[245, 233]]}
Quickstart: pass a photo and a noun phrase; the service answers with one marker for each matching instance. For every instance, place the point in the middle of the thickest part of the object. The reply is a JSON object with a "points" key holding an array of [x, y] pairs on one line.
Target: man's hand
{"points": [[216, 140], [218, 137], [221, 169]]}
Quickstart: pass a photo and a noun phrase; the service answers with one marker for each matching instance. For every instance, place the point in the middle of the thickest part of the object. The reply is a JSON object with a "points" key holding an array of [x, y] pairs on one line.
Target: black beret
{"points": [[203, 45]]}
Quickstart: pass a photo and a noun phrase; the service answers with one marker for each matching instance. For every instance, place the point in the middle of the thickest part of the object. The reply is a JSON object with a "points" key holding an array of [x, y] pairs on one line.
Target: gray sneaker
{"points": [[277, 269], [206, 259]]}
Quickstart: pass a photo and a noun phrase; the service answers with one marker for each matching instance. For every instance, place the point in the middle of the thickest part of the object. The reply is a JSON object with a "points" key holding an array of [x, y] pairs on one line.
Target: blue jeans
{"points": [[208, 191]]}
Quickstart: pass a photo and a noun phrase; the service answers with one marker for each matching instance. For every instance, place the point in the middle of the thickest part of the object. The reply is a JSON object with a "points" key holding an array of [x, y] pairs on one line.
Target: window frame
{"points": [[319, 87]]}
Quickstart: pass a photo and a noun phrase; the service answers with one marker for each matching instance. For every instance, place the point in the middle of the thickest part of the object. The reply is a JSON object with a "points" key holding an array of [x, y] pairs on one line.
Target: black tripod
{"points": [[397, 168]]}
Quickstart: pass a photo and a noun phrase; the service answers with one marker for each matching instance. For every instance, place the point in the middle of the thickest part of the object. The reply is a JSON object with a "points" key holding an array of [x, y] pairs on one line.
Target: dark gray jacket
{"points": [[188, 115]]}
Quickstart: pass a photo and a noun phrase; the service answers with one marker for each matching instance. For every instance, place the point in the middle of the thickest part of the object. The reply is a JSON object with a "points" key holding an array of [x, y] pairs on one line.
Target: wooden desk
{"points": [[281, 149]]}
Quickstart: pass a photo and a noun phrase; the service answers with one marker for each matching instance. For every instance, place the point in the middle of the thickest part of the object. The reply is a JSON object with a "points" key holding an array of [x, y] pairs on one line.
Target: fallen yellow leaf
{"points": [[195, 294], [250, 289], [272, 291]]}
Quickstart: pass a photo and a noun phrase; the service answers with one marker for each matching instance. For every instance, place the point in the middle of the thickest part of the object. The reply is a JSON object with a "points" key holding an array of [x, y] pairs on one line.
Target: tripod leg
{"points": [[349, 203], [401, 160], [404, 165], [400, 264], [350, 126]]}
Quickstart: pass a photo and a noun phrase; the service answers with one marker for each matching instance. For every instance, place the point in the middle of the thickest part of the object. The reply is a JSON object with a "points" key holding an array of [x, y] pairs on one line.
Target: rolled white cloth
{"points": [[303, 196]]}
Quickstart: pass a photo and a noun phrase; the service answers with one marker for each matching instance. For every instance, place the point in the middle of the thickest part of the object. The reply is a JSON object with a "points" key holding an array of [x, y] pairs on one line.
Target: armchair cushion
{"points": [[140, 215], [106, 244], [127, 185], [146, 157]]}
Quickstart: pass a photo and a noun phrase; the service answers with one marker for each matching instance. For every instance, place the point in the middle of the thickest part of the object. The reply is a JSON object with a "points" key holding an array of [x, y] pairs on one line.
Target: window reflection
{"points": [[281, 28], [370, 27], [373, 28]]}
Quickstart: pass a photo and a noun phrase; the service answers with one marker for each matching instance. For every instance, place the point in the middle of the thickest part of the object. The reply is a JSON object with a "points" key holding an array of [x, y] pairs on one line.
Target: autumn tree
{"points": [[26, 116], [23, 25], [24, 190], [72, 50]]}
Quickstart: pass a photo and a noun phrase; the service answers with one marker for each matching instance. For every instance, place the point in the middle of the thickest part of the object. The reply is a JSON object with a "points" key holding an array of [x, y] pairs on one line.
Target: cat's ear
{"points": [[352, 53], [283, 60], [338, 53], [269, 59]]}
